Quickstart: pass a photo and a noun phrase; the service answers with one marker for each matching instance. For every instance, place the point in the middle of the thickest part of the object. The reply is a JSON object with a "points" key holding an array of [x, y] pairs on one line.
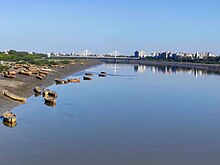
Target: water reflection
{"points": [[10, 125], [168, 70]]}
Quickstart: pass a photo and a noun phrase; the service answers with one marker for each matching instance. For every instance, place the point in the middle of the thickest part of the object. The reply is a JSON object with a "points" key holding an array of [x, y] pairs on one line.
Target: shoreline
{"points": [[23, 85], [212, 68]]}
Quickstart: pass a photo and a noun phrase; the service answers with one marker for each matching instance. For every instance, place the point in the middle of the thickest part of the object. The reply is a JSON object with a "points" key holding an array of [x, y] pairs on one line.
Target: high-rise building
{"points": [[140, 54]]}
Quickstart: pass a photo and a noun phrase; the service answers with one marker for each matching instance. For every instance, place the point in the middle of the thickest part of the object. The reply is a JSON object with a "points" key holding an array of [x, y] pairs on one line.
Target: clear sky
{"points": [[106, 25]]}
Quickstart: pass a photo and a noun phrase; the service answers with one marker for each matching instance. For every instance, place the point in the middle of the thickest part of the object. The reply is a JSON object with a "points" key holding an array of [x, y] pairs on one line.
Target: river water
{"points": [[137, 115]]}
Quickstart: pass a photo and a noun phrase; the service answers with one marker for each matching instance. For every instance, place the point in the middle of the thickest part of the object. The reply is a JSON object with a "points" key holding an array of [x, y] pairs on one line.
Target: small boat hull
{"points": [[87, 78]]}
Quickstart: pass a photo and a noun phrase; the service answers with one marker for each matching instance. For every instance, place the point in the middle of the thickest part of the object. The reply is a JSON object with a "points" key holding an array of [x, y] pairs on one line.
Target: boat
{"points": [[37, 90], [39, 77], [102, 75], [88, 74], [65, 81], [43, 72], [9, 75], [59, 81], [76, 80], [50, 93], [49, 100], [12, 72], [46, 70], [87, 78], [9, 117], [13, 96], [25, 73]]}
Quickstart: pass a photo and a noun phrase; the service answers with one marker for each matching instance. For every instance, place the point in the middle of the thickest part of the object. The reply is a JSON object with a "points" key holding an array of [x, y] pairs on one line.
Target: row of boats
{"points": [[28, 70], [49, 96]]}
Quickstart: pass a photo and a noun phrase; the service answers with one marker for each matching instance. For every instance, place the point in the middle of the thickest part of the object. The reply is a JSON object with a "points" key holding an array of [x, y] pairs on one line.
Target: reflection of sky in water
{"points": [[125, 119]]}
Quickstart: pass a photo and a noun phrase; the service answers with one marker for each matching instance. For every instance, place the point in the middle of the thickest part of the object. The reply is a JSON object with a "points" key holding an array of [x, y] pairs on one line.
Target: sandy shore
{"points": [[23, 85]]}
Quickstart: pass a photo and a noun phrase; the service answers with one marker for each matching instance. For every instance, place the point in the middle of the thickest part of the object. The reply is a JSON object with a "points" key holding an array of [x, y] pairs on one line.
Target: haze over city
{"points": [[104, 26]]}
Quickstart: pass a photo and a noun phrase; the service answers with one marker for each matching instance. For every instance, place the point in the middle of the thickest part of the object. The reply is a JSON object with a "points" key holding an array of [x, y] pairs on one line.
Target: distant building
{"points": [[140, 54]]}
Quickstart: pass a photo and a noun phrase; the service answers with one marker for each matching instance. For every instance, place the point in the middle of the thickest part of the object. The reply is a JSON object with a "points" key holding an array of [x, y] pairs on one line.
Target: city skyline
{"points": [[68, 26]]}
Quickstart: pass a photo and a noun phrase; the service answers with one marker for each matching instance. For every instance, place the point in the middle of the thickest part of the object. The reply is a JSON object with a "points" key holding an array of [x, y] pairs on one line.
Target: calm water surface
{"points": [[137, 115]]}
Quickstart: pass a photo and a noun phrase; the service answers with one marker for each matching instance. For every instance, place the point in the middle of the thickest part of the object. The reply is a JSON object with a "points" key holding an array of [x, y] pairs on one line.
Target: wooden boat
{"points": [[43, 72], [46, 70], [9, 117], [88, 74], [87, 78], [39, 77], [12, 72], [13, 96], [9, 75], [34, 71], [37, 90], [59, 81], [42, 75], [50, 93], [65, 81], [76, 80], [49, 100], [103, 72], [25, 73]]}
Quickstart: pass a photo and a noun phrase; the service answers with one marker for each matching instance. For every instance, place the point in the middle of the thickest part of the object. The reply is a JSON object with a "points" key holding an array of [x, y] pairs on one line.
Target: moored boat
{"points": [[39, 77], [9, 117], [37, 90], [102, 75], [50, 93], [49, 100], [76, 80], [27, 73], [88, 74], [9, 75], [87, 78], [46, 69], [103, 72], [13, 96], [43, 72], [59, 81]]}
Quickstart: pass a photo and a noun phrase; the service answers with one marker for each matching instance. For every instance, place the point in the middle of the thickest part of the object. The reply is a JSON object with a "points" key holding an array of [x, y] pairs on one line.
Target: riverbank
{"points": [[23, 85], [212, 68]]}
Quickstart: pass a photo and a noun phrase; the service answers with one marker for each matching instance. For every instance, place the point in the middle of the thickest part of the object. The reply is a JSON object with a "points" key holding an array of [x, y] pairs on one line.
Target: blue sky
{"points": [[103, 26]]}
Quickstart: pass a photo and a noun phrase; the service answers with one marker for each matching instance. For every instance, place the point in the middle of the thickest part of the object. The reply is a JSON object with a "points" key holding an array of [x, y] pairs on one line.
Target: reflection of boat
{"points": [[13, 96], [8, 124], [88, 74], [9, 117], [49, 100], [87, 78], [76, 80], [50, 104]]}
